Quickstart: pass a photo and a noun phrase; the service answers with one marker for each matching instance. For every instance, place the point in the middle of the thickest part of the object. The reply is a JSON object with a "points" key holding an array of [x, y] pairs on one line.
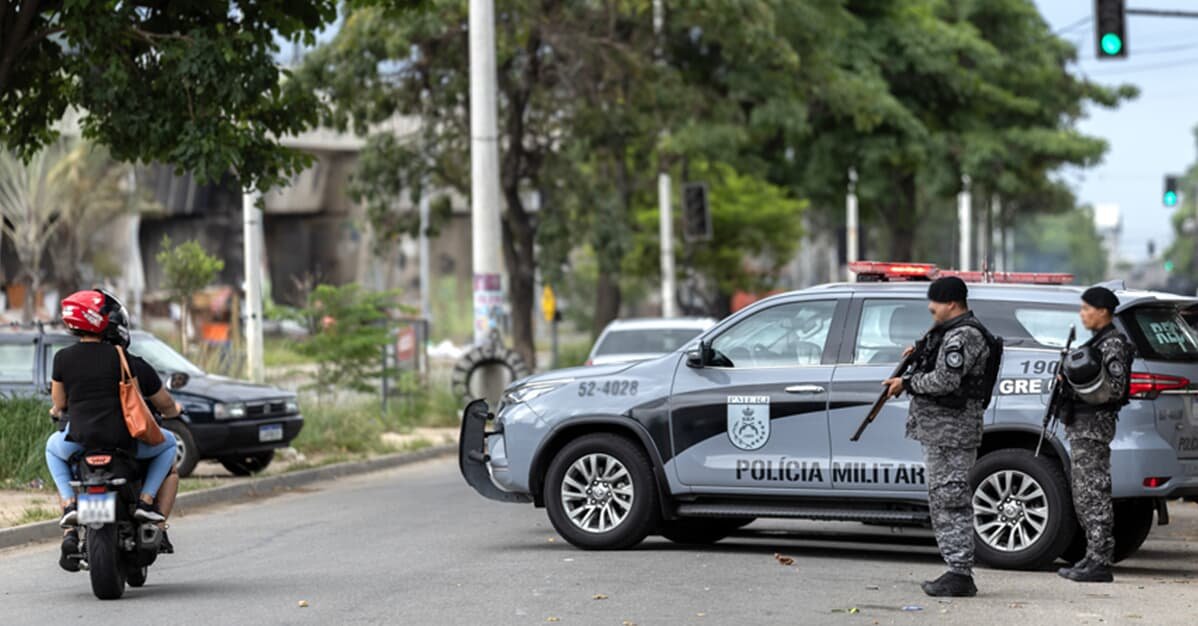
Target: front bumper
{"points": [[241, 436], [473, 459]]}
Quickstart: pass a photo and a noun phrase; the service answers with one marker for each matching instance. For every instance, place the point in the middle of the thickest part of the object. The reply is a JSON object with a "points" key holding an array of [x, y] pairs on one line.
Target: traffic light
{"points": [[1110, 32], [1169, 266], [696, 214], [1170, 197]]}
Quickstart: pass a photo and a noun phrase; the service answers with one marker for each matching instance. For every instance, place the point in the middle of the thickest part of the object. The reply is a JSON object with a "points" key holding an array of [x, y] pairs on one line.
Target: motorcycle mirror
{"points": [[177, 380]]}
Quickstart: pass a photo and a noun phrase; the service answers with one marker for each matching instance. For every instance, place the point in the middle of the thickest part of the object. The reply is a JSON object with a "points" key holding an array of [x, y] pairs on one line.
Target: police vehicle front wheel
{"points": [[1022, 514], [600, 493]]}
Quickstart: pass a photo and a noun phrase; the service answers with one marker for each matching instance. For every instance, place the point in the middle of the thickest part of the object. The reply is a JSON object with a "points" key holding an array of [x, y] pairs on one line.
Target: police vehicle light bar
{"points": [[874, 271]]}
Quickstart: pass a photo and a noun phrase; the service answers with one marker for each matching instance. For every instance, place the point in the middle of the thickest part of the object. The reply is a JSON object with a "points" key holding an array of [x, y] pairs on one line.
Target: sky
{"points": [[1148, 137]]}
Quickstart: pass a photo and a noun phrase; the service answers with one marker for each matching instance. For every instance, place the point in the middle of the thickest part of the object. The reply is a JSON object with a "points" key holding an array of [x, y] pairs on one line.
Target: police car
{"points": [[753, 418]]}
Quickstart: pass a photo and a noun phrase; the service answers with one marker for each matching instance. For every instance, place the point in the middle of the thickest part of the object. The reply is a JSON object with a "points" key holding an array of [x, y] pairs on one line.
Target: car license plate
{"points": [[97, 508], [270, 432]]}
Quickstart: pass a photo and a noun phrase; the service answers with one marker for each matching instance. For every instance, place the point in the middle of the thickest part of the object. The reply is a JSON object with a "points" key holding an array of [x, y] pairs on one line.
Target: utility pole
{"points": [[490, 299], [850, 220], [425, 284], [669, 290], [965, 218], [251, 227]]}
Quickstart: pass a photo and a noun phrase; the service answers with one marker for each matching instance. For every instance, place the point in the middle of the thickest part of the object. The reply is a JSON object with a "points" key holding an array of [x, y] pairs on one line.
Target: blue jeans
{"points": [[59, 450]]}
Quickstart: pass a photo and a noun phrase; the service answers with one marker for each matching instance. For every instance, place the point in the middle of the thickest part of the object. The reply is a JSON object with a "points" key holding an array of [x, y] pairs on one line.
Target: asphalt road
{"points": [[417, 546]]}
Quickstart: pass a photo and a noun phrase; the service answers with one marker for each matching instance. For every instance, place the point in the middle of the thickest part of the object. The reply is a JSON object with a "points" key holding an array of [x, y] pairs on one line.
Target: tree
{"points": [[347, 331], [30, 213], [193, 84], [1062, 242], [186, 269], [1183, 252]]}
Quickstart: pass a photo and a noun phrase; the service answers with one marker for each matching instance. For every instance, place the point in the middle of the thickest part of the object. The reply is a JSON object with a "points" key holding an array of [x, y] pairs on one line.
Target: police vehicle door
{"points": [[879, 329], [760, 422]]}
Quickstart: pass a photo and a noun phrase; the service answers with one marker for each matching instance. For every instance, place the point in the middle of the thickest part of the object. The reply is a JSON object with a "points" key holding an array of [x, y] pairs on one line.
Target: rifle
{"points": [[899, 370], [1054, 400]]}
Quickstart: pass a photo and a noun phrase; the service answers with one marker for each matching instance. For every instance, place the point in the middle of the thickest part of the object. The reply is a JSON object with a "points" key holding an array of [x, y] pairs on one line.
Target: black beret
{"points": [[1101, 298], [948, 289]]}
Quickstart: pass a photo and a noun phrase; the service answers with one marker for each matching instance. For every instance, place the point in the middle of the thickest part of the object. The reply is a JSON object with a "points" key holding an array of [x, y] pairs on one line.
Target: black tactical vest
{"points": [[973, 387]]}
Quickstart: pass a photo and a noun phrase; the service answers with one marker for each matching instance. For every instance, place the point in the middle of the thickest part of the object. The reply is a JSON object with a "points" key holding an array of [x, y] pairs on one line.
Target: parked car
{"points": [[753, 419], [639, 339], [238, 423]]}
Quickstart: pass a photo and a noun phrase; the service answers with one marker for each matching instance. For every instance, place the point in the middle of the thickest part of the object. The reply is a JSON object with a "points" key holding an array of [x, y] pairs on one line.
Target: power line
{"points": [[1145, 68], [1081, 22]]}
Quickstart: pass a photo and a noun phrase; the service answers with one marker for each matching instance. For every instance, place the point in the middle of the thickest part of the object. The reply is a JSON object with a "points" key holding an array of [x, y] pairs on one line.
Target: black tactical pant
{"points": [[1092, 497], [950, 504]]}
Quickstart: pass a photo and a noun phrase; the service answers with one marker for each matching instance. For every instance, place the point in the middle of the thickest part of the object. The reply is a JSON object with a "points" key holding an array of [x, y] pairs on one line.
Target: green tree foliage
{"points": [[186, 269], [194, 84], [1183, 252], [1062, 242], [348, 329]]}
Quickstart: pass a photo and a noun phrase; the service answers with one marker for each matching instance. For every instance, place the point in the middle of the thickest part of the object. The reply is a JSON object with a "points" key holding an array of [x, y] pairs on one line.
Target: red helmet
{"points": [[85, 311]]}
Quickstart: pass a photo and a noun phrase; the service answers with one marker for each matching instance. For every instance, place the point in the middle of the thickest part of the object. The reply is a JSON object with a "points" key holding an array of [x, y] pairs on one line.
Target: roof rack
{"points": [[875, 271]]}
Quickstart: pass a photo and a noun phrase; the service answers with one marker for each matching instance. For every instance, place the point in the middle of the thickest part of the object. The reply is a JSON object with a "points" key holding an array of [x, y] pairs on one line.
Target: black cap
{"points": [[948, 289], [1101, 298]]}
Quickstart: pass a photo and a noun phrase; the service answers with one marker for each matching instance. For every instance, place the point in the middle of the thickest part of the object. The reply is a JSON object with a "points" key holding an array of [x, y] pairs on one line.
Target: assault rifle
{"points": [[899, 371], [1055, 399]]}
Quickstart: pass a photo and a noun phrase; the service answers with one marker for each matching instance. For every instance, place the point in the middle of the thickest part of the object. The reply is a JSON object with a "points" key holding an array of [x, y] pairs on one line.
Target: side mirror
{"points": [[177, 380], [701, 357]]}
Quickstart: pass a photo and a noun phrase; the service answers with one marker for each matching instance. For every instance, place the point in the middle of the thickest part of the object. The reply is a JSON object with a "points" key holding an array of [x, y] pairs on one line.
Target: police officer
{"points": [[1099, 385], [948, 398]]}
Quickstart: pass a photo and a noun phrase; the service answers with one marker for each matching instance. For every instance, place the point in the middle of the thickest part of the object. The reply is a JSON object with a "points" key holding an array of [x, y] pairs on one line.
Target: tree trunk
{"points": [[183, 315], [903, 218], [607, 301], [518, 255]]}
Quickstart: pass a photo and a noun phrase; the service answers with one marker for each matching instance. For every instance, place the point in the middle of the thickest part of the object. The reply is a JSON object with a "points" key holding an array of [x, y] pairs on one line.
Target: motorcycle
{"points": [[115, 548]]}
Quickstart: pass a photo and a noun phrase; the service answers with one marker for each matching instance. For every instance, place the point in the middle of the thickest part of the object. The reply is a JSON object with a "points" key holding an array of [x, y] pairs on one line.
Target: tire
{"points": [[189, 454], [636, 499], [136, 576], [489, 354], [1036, 489], [104, 563], [248, 464], [701, 531], [1133, 522]]}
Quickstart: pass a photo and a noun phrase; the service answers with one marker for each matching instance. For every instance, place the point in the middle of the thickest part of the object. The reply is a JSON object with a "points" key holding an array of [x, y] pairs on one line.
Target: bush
{"points": [[348, 327], [24, 427]]}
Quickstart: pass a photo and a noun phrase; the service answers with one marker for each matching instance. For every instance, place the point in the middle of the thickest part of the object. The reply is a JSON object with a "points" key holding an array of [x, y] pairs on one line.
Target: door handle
{"points": [[804, 389]]}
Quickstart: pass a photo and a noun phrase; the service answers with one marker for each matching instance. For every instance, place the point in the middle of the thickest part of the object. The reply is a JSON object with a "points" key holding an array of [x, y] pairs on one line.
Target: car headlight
{"points": [[228, 410], [292, 407], [531, 391]]}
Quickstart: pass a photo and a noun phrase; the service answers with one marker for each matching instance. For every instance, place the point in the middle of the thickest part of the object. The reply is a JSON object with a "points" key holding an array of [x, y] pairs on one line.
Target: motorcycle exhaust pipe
{"points": [[149, 536]]}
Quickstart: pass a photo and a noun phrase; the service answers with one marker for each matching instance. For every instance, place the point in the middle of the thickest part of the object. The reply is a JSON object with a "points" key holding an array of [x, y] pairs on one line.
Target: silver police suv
{"points": [[752, 420]]}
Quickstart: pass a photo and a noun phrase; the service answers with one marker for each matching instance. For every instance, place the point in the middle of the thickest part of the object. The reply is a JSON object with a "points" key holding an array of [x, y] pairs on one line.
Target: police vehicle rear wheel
{"points": [[1133, 522], [1023, 517], [600, 493], [701, 531]]}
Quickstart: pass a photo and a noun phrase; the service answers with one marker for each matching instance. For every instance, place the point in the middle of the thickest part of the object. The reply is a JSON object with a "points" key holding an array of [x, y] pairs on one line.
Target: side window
{"points": [[887, 327], [784, 335], [51, 350], [16, 362], [1030, 324]]}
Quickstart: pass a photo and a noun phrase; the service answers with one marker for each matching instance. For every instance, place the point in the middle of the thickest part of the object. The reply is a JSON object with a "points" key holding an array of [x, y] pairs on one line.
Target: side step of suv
{"points": [[799, 511]]}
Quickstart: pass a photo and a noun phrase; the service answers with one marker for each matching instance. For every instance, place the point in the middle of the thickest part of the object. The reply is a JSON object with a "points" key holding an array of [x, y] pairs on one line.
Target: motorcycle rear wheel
{"points": [[104, 563]]}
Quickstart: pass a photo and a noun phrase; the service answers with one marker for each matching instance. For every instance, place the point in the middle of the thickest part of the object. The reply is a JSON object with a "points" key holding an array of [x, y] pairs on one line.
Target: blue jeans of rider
{"points": [[161, 457]]}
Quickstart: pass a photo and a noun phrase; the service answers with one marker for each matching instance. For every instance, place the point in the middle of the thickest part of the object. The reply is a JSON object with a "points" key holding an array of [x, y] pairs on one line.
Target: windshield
{"points": [[645, 341], [1162, 333], [161, 356]]}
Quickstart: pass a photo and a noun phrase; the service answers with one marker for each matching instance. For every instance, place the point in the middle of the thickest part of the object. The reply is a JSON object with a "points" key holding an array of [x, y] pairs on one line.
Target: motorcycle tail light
{"points": [[97, 489], [99, 459]]}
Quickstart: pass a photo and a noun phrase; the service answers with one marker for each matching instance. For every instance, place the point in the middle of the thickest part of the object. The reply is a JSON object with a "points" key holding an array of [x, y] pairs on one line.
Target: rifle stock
{"points": [[885, 395], [1054, 399]]}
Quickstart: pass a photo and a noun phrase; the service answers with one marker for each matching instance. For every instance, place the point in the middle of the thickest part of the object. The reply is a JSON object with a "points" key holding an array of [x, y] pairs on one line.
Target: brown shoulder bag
{"points": [[138, 418]]}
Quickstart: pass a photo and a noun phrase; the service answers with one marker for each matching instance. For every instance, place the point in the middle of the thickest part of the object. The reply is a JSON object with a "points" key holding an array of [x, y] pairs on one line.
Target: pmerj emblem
{"points": [[748, 421]]}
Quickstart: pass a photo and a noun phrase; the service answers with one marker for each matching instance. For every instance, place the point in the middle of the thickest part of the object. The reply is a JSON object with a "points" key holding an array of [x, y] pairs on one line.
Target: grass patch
{"points": [[24, 427], [282, 352], [573, 354], [188, 485], [354, 426], [33, 514]]}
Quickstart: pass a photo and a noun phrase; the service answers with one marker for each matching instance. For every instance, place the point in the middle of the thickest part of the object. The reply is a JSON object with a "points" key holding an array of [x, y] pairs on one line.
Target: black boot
{"points": [[1092, 573], [166, 547], [1064, 572], [951, 585], [70, 548]]}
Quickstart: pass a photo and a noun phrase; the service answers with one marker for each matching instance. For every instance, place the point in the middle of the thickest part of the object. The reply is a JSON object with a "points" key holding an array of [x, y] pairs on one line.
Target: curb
{"points": [[262, 487]]}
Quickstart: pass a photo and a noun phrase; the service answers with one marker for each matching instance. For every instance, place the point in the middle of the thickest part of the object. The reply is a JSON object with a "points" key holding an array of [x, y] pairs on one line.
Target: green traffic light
{"points": [[1170, 198], [1111, 43], [1168, 266]]}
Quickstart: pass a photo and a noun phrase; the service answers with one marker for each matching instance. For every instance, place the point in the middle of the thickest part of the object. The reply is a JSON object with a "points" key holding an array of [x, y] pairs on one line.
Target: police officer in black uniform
{"points": [[1098, 380]]}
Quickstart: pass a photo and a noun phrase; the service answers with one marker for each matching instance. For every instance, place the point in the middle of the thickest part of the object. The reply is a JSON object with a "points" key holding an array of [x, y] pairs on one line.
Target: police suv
{"points": [[753, 419]]}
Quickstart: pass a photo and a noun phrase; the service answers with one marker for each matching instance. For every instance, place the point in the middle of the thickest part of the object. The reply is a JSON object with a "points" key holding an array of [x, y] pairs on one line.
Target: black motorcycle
{"points": [[114, 547]]}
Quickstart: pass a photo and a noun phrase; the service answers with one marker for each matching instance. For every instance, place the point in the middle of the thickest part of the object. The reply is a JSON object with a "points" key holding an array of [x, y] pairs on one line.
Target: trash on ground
{"points": [[784, 560], [912, 607]]}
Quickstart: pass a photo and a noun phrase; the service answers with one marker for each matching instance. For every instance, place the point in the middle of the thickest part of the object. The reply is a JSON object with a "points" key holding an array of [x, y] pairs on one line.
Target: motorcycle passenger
{"points": [[84, 385]]}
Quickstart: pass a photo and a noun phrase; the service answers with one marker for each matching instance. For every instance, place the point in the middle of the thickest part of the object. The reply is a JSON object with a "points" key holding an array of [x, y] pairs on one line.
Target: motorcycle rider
{"points": [[85, 380]]}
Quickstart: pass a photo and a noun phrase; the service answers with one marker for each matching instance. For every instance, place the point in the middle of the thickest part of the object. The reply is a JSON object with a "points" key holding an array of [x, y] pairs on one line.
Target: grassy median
{"points": [[24, 427]]}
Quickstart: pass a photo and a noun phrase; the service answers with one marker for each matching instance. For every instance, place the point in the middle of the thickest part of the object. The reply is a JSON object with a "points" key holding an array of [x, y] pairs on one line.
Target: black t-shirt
{"points": [[91, 373]]}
